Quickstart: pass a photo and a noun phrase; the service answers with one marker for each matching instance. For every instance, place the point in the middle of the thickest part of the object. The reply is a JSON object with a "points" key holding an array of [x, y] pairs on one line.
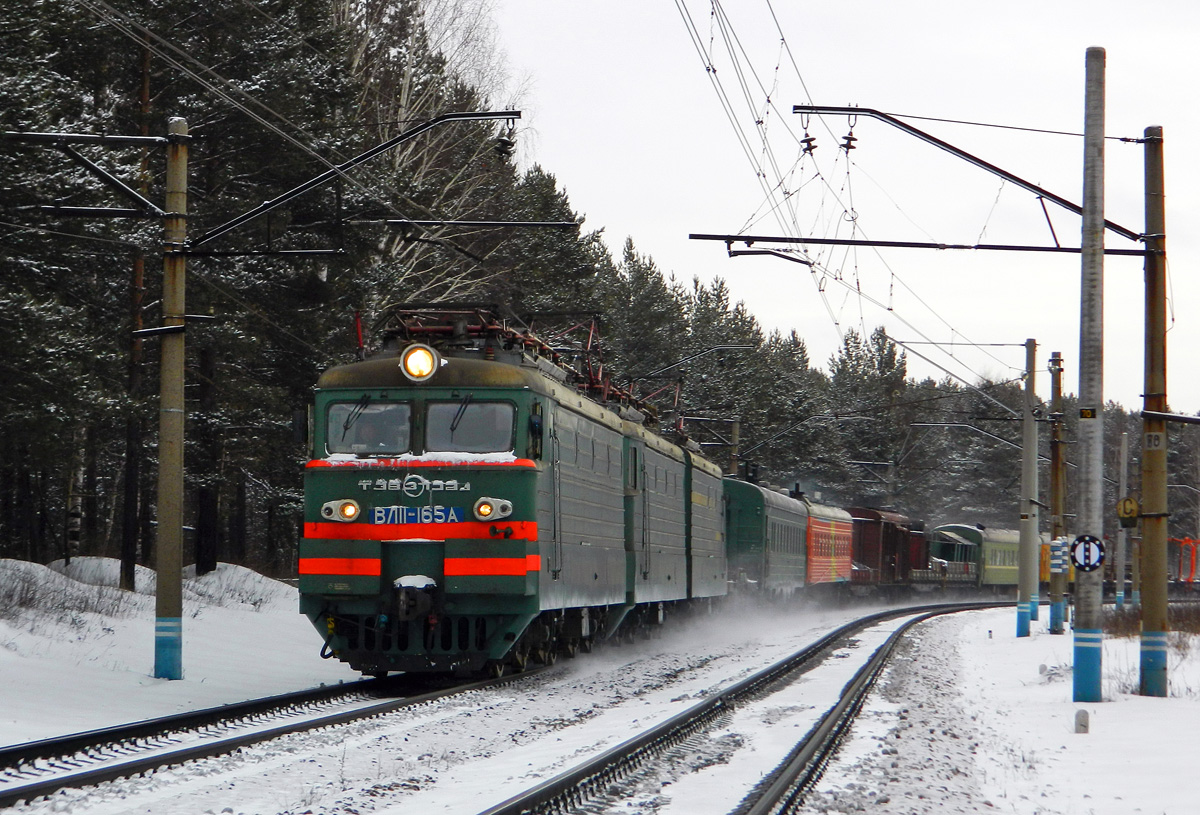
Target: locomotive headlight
{"points": [[345, 510], [419, 362], [491, 509]]}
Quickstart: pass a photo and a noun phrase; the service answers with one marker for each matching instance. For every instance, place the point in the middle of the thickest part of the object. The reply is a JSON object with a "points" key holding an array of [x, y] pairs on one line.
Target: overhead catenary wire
{"points": [[221, 87], [781, 198]]}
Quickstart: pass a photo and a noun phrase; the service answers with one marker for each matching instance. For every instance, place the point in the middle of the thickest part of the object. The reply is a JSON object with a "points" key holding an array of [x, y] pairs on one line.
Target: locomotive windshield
{"points": [[366, 429], [467, 426]]}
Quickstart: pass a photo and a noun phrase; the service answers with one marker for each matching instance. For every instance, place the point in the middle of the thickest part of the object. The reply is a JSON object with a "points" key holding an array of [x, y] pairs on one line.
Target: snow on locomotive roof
{"points": [[409, 458]]}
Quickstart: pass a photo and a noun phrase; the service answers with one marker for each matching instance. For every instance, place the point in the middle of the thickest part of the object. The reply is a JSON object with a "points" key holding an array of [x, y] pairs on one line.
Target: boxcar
{"points": [[887, 546]]}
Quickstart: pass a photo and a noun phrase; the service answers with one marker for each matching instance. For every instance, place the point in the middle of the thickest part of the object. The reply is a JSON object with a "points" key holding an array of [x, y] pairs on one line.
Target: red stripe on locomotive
{"points": [[492, 566], [358, 566], [526, 530]]}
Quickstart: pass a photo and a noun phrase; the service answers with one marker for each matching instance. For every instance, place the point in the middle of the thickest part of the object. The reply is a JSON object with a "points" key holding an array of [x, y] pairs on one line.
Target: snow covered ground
{"points": [[970, 719], [973, 719]]}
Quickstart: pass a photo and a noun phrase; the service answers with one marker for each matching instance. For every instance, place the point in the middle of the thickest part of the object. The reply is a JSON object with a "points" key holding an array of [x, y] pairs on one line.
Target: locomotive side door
{"points": [[636, 526]]}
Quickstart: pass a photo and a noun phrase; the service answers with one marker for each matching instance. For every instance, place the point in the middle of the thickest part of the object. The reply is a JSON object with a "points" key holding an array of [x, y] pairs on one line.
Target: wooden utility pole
{"points": [[168, 623], [1058, 496], [1027, 565], [1120, 559]]}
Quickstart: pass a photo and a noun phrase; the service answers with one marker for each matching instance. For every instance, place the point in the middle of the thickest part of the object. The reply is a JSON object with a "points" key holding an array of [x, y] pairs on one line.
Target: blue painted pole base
{"points": [[1022, 619], [1120, 600], [1154, 663], [168, 648], [1088, 650], [1057, 616], [1033, 607]]}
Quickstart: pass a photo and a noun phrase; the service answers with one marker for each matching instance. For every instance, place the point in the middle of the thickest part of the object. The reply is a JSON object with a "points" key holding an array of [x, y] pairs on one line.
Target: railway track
{"points": [[781, 789], [37, 769]]}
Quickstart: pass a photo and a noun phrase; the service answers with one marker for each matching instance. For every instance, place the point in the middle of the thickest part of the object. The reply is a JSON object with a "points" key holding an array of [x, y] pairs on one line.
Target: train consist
{"points": [[472, 505]]}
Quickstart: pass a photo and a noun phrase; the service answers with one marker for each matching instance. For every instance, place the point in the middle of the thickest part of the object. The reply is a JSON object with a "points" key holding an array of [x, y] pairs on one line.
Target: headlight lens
{"points": [[345, 510], [491, 509], [419, 362]]}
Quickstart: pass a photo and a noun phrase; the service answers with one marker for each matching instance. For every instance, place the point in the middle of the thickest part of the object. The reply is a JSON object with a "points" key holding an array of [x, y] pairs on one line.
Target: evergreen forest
{"points": [[278, 92]]}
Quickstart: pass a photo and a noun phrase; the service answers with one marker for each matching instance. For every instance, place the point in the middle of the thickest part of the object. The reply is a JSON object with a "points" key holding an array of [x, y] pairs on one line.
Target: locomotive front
{"points": [[420, 519]]}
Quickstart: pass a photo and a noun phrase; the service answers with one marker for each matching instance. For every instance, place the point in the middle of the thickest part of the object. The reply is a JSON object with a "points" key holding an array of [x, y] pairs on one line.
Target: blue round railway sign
{"points": [[1087, 553]]}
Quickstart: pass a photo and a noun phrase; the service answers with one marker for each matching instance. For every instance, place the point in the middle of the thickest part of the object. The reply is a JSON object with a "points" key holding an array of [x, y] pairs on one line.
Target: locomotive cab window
{"points": [[467, 426], [364, 429]]}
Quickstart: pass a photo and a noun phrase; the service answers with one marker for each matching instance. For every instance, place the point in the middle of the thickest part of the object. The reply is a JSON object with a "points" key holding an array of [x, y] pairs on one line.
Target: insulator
{"points": [[848, 144], [809, 143]]}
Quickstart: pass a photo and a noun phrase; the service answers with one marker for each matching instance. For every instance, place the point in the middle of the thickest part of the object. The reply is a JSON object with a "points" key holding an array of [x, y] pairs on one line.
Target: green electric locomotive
{"points": [[471, 507]]}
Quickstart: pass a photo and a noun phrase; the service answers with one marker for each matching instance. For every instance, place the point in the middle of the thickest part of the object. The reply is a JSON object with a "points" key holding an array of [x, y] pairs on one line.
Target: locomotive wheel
{"points": [[496, 668], [571, 648]]}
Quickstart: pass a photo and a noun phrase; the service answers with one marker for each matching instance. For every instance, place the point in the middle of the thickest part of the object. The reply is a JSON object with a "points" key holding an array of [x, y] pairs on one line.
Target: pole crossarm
{"points": [[749, 240], [84, 138], [64, 141], [735, 253], [1170, 417], [963, 154], [473, 224], [340, 169], [111, 180]]}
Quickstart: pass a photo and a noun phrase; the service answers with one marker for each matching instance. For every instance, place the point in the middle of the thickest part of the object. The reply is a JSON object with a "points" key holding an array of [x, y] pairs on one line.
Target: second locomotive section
{"points": [[487, 514]]}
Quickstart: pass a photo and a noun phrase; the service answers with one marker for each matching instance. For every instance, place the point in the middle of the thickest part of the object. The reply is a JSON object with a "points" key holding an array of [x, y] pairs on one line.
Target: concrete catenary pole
{"points": [[168, 622], [1058, 496], [1119, 560], [1088, 585], [1030, 546], [1154, 430]]}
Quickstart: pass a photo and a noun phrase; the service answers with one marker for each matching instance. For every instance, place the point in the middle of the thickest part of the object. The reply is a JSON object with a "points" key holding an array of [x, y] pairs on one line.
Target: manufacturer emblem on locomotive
{"points": [[414, 485]]}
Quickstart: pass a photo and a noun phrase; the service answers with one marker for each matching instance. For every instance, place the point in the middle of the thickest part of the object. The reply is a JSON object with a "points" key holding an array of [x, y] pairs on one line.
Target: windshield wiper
{"points": [[462, 409], [355, 412]]}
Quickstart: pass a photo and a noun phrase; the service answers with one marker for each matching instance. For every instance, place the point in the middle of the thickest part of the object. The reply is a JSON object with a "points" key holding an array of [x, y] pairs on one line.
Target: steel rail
{"points": [[782, 790], [571, 788], [70, 769], [14, 756]]}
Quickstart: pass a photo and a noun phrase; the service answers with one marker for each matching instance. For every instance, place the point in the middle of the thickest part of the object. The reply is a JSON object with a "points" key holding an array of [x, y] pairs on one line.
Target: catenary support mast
{"points": [[168, 615], [1154, 431], [1088, 622]]}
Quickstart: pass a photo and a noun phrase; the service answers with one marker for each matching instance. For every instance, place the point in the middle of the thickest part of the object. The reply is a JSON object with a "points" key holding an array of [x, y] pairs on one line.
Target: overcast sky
{"points": [[619, 105]]}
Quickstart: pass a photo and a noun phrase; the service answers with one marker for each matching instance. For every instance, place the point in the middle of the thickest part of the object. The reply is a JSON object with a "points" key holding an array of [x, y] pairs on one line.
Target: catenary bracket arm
{"points": [[337, 171], [963, 154]]}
